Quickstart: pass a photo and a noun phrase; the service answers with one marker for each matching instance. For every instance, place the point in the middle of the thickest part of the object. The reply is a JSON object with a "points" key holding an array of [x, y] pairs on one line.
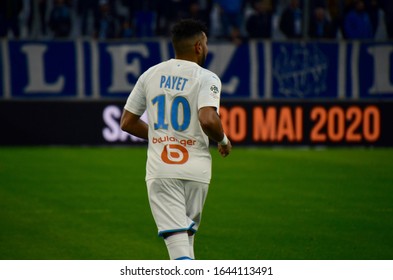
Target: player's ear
{"points": [[198, 47]]}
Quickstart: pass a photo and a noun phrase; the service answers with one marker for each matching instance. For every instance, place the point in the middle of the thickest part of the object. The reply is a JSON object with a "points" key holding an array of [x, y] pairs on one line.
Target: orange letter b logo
{"points": [[174, 154]]}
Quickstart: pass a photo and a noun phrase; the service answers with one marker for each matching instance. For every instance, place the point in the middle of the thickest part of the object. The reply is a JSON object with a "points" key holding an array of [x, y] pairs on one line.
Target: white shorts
{"points": [[176, 204]]}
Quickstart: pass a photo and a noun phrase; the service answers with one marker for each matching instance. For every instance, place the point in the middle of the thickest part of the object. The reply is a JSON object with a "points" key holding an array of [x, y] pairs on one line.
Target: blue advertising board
{"points": [[375, 63], [42, 69], [232, 64], [91, 70], [305, 70], [121, 64]]}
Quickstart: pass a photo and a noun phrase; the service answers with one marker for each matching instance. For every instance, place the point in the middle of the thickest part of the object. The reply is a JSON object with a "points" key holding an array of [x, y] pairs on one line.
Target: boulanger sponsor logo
{"points": [[175, 152], [184, 142]]}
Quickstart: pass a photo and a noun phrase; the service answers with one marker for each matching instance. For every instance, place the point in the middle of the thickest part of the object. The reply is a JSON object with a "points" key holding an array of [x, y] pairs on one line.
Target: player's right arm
{"points": [[134, 108], [132, 124], [212, 127]]}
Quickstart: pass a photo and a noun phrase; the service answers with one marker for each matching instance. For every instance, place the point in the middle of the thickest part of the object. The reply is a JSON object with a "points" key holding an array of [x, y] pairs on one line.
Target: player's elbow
{"points": [[123, 125], [126, 122], [128, 127]]}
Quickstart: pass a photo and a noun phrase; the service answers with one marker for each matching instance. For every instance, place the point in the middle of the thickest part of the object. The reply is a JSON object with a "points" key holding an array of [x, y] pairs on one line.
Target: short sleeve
{"points": [[136, 101], [209, 95]]}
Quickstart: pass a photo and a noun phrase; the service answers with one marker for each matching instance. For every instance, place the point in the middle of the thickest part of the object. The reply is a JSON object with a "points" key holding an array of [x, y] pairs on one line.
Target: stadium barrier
{"points": [[90, 69], [262, 123]]}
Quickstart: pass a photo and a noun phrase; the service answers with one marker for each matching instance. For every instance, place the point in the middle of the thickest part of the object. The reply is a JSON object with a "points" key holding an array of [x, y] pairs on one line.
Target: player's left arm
{"points": [[210, 121], [211, 124], [132, 124]]}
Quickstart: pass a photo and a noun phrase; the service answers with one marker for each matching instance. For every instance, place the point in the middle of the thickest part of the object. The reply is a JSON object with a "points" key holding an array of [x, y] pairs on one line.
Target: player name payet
{"points": [[173, 82]]}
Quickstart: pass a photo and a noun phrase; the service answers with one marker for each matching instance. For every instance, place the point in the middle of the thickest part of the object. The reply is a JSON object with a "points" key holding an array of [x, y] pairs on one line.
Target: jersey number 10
{"points": [[160, 100]]}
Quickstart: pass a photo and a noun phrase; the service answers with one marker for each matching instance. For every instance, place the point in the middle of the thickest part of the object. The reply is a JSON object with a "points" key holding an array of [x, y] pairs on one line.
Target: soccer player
{"points": [[182, 100]]}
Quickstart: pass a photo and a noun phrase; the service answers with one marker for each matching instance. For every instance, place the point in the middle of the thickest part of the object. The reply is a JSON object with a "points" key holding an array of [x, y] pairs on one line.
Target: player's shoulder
{"points": [[156, 67], [209, 76], [150, 72]]}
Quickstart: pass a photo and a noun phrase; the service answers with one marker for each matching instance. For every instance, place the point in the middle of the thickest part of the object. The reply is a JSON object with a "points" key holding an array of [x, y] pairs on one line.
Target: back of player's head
{"points": [[187, 28], [185, 31]]}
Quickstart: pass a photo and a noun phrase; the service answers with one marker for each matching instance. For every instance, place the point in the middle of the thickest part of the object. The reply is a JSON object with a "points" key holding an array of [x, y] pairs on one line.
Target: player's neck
{"points": [[191, 58]]}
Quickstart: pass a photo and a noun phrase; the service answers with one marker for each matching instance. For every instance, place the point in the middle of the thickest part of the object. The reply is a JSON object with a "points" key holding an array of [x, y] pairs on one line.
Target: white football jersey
{"points": [[172, 92]]}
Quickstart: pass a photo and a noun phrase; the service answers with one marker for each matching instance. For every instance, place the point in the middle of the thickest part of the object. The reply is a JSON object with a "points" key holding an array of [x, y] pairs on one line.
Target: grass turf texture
{"points": [[90, 203]]}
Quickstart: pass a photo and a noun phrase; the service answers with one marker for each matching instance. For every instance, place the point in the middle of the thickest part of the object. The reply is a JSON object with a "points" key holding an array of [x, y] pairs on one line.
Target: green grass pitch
{"points": [[280, 204]]}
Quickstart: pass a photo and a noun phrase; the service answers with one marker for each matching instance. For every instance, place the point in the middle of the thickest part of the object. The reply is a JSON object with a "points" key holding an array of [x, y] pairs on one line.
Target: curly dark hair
{"points": [[187, 28]]}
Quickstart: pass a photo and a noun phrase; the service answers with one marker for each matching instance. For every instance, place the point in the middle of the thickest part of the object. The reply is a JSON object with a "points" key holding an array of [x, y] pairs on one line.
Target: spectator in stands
{"points": [[291, 21], [200, 10], [142, 16], [259, 24], [231, 18], [321, 26], [86, 9], [155, 17], [37, 18], [336, 10], [106, 24], [387, 7], [357, 22], [372, 8], [9, 17], [169, 12], [145, 23], [126, 30], [60, 19]]}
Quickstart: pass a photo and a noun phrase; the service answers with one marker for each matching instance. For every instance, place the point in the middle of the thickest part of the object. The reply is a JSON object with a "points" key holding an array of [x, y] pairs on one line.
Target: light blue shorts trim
{"points": [[161, 233]]}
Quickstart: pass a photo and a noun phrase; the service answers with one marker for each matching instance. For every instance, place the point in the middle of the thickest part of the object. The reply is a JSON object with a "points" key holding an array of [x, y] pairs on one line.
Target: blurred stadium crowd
{"points": [[233, 20]]}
